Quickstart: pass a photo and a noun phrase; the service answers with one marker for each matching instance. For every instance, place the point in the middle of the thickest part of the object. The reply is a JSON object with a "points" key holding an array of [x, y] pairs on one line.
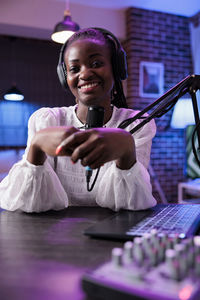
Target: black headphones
{"points": [[119, 62]]}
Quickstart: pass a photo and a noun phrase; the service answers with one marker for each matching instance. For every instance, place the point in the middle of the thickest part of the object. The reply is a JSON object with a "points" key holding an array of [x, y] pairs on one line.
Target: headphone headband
{"points": [[119, 62]]}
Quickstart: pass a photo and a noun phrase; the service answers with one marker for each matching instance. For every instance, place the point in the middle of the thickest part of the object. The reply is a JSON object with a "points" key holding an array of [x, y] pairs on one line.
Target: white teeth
{"points": [[87, 86]]}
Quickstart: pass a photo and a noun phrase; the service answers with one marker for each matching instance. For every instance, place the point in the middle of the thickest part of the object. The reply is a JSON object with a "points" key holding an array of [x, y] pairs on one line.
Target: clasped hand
{"points": [[93, 147]]}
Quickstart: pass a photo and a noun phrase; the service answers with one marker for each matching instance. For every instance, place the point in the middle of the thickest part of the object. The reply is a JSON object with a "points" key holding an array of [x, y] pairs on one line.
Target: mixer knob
{"points": [[146, 240], [138, 251], [173, 264], [155, 238], [196, 241], [174, 238], [152, 255], [128, 251], [182, 259], [197, 254], [117, 257]]}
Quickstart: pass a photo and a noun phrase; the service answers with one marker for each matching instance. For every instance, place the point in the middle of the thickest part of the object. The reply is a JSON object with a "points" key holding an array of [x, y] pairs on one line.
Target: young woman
{"points": [[92, 63]]}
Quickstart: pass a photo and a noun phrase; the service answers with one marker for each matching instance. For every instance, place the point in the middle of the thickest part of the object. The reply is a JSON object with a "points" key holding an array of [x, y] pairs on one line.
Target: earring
{"points": [[113, 94]]}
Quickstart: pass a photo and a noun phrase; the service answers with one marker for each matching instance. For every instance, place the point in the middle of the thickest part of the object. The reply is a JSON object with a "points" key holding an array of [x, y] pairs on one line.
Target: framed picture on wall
{"points": [[151, 79]]}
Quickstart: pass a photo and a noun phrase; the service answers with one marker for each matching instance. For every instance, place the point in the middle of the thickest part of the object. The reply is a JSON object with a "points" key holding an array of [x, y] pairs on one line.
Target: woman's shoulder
{"points": [[51, 116], [122, 114], [126, 112]]}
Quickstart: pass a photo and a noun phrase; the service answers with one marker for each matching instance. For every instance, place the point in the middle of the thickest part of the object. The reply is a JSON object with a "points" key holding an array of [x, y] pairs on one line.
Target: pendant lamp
{"points": [[13, 93], [63, 30]]}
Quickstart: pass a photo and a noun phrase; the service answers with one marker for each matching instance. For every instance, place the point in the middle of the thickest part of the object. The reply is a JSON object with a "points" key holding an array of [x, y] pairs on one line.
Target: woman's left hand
{"points": [[96, 146]]}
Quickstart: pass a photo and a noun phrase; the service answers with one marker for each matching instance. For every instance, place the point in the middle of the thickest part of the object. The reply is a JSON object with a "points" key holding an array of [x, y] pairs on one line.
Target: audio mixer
{"points": [[152, 267]]}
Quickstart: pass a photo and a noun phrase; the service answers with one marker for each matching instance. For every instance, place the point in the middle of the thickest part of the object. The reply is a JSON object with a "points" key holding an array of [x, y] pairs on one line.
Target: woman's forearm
{"points": [[35, 155]]}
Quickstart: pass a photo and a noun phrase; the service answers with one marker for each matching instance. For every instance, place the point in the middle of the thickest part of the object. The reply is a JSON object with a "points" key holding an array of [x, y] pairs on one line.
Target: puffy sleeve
{"points": [[130, 189], [27, 187]]}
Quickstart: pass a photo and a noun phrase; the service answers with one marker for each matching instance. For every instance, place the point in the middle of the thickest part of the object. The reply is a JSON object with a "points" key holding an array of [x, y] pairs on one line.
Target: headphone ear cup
{"points": [[61, 68], [122, 64], [62, 74]]}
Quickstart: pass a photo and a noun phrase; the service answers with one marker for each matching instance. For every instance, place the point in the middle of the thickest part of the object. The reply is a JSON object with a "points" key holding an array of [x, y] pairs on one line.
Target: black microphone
{"points": [[95, 118]]}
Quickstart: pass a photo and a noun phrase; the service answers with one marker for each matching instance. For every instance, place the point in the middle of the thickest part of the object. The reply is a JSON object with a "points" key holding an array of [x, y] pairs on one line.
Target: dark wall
{"points": [[32, 65], [160, 37]]}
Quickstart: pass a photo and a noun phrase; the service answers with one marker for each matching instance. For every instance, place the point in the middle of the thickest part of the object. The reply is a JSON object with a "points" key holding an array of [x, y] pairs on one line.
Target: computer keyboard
{"points": [[171, 219]]}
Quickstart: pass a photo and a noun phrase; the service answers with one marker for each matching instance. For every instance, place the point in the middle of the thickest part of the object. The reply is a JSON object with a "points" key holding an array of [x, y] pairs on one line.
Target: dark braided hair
{"points": [[117, 94]]}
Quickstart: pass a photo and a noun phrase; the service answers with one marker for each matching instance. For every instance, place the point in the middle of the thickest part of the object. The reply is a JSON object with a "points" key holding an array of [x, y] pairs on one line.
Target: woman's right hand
{"points": [[46, 141]]}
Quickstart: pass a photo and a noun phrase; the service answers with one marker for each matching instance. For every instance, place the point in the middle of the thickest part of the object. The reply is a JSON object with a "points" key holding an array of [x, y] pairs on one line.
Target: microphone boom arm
{"points": [[190, 85]]}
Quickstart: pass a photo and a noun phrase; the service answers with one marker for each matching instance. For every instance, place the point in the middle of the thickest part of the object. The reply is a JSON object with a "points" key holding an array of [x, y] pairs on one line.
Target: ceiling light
{"points": [[14, 94], [63, 30]]}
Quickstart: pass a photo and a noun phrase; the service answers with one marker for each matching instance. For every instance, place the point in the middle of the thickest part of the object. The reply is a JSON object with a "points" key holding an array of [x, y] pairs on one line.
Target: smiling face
{"points": [[89, 72]]}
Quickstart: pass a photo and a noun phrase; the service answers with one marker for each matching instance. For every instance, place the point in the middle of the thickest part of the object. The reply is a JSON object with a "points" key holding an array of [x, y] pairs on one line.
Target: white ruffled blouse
{"points": [[33, 188]]}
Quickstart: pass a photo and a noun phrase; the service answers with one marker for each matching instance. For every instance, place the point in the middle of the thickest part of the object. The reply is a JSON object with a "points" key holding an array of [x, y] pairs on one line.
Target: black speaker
{"points": [[119, 62]]}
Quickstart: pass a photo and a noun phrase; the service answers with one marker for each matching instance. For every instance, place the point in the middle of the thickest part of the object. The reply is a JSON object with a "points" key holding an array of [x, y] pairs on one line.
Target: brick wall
{"points": [[160, 37]]}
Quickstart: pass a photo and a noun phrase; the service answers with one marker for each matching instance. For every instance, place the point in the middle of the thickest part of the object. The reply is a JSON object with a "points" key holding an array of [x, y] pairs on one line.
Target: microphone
{"points": [[95, 118]]}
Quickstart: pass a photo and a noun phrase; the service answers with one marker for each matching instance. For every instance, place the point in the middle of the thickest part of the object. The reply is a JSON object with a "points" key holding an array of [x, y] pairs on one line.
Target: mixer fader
{"points": [[155, 266]]}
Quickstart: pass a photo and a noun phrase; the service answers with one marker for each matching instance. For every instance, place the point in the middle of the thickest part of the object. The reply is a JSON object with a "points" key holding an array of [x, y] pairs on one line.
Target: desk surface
{"points": [[43, 256]]}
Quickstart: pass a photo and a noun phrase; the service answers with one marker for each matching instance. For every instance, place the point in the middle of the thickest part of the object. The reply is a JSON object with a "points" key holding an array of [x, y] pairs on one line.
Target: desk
{"points": [[43, 256]]}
